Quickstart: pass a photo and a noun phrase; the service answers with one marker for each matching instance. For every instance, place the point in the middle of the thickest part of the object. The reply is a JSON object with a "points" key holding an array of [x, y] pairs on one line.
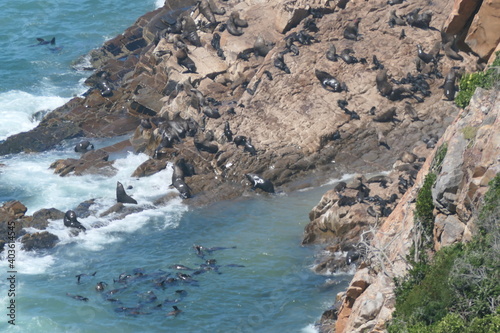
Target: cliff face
{"points": [[471, 161]]}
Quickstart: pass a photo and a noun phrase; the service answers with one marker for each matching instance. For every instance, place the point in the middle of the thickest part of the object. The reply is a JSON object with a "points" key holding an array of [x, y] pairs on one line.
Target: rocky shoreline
{"points": [[258, 80]]}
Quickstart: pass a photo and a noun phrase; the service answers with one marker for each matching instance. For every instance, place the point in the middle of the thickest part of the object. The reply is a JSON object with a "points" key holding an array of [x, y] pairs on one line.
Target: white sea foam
{"points": [[30, 173], [159, 3], [310, 329], [18, 107]]}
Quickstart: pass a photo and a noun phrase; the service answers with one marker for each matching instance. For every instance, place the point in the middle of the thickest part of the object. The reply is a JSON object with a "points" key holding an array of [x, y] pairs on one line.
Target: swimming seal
{"points": [[71, 221], [175, 312], [258, 182], [123, 197], [83, 147]]}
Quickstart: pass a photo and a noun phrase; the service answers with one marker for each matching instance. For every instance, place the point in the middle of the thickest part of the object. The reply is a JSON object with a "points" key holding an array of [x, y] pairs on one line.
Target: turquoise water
{"points": [[262, 281]]}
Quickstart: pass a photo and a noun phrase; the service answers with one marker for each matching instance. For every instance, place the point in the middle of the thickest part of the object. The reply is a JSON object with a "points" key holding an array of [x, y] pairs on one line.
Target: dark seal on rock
{"points": [[83, 146], [71, 221], [258, 182], [179, 183], [449, 85], [123, 197], [328, 81], [351, 30]]}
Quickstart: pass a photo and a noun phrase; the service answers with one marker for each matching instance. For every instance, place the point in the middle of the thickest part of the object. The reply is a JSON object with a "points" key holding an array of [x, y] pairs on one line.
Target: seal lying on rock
{"points": [[449, 85], [328, 81], [351, 30], [70, 221], [258, 182], [83, 147], [123, 197]]}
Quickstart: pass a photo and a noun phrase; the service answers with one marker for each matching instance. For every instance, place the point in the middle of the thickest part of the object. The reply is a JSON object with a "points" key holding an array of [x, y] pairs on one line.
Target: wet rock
{"points": [[39, 241], [41, 218]]}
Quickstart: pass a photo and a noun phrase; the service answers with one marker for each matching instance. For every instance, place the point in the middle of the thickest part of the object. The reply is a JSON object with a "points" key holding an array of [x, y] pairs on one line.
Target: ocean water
{"points": [[262, 279]]}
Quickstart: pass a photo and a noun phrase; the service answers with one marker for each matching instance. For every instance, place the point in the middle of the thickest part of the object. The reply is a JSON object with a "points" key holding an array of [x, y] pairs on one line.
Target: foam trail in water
{"points": [[309, 329], [18, 107]]}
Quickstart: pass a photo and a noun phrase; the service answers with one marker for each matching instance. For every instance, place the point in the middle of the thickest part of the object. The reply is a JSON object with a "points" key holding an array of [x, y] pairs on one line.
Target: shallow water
{"points": [[262, 281]]}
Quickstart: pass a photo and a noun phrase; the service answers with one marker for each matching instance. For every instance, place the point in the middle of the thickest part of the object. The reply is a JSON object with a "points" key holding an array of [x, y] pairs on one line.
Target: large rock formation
{"points": [[461, 182], [296, 126]]}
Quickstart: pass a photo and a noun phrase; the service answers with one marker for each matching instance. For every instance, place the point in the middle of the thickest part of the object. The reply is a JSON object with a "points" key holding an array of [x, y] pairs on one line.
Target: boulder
{"points": [[483, 36], [39, 241], [448, 230]]}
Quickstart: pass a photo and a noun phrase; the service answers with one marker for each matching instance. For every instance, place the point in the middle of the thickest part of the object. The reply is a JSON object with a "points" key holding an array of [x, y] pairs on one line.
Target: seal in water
{"points": [[71, 221], [123, 197], [175, 312], [83, 147], [258, 182]]}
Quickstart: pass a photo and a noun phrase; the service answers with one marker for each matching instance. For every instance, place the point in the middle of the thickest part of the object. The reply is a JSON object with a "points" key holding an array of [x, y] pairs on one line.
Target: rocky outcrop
{"points": [[294, 125], [477, 24], [462, 180]]}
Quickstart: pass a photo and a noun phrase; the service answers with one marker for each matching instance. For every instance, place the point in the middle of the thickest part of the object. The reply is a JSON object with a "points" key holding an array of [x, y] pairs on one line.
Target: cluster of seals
{"points": [[165, 290]]}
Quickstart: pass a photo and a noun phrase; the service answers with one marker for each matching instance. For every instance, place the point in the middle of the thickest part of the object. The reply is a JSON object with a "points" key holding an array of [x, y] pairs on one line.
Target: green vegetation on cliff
{"points": [[469, 82], [458, 291]]}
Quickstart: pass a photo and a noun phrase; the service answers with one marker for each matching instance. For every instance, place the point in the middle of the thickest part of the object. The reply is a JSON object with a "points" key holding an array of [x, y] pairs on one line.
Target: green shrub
{"points": [[439, 158], [424, 207], [469, 82], [487, 324], [451, 323]]}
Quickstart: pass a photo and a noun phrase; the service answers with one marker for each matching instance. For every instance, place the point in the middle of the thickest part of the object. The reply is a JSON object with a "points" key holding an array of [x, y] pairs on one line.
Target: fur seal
{"points": [[179, 183], [206, 10], [175, 312], [395, 19], [42, 41], [411, 112], [331, 54], [185, 61], [279, 62], [261, 48], [83, 147], [100, 286], [249, 148], [71, 221], [347, 57], [227, 132], [415, 19], [386, 116], [205, 145], [258, 182], [376, 64], [211, 112], [449, 85], [328, 81], [351, 257], [351, 30], [291, 47], [189, 28], [234, 23], [425, 57], [123, 197], [240, 140], [451, 53]]}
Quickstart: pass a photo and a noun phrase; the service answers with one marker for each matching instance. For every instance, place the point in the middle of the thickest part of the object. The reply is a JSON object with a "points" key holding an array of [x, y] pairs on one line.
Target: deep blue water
{"points": [[261, 282]]}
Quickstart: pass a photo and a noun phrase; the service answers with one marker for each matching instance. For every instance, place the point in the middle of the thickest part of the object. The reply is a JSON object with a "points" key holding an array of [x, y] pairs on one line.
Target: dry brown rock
{"points": [[483, 36]]}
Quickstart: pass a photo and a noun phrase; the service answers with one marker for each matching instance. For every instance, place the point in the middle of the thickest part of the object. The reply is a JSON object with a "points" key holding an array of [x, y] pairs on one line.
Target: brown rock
{"points": [[483, 36], [39, 241]]}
